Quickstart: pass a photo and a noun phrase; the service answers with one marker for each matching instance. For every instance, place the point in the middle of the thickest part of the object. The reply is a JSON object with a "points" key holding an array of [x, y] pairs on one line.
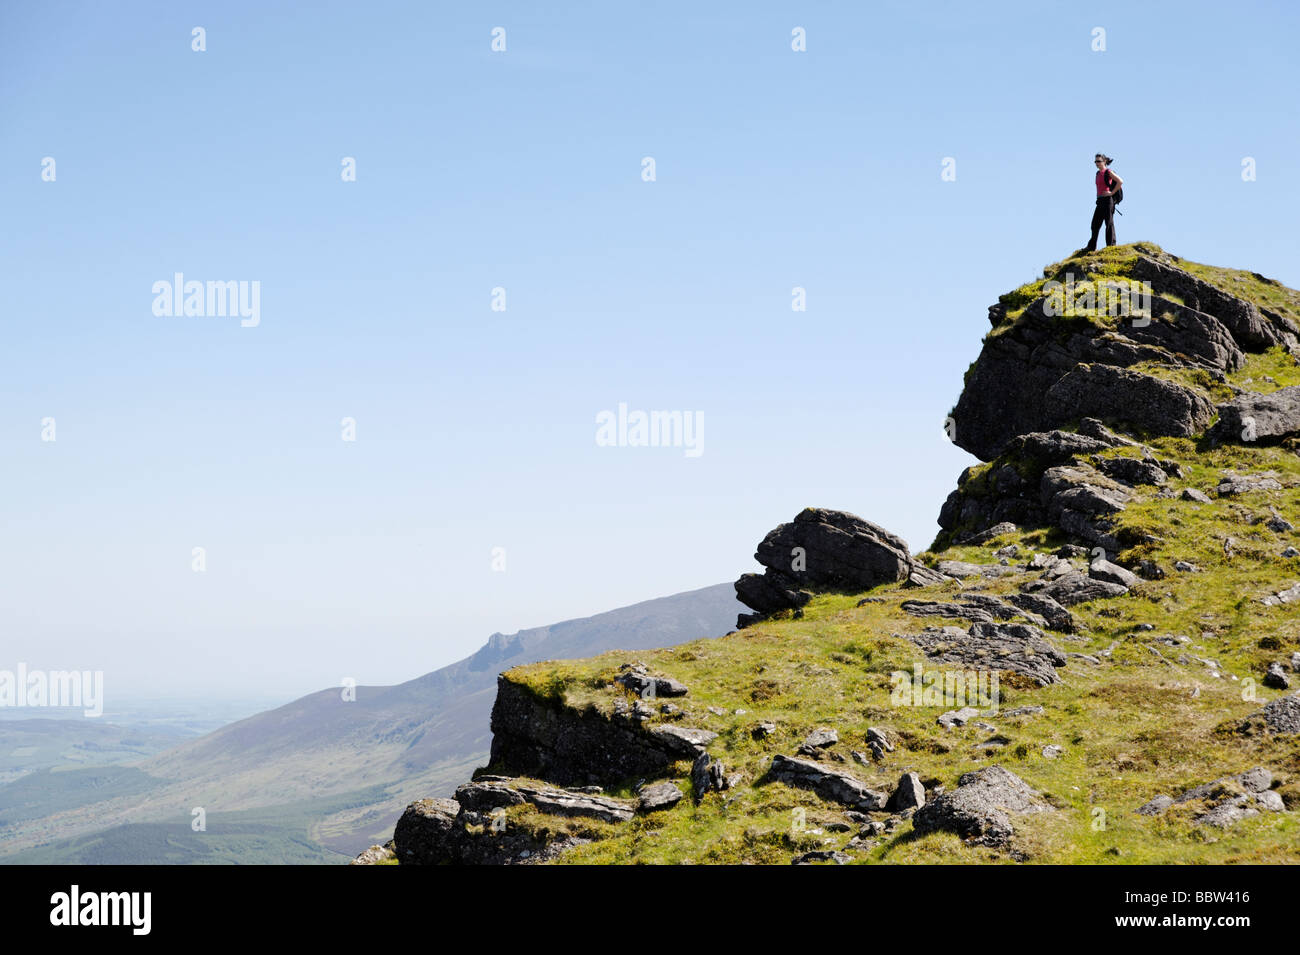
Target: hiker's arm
{"points": [[1118, 182]]}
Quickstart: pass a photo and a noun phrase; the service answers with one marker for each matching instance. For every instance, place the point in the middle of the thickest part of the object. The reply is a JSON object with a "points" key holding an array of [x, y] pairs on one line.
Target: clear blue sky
{"points": [[522, 169]]}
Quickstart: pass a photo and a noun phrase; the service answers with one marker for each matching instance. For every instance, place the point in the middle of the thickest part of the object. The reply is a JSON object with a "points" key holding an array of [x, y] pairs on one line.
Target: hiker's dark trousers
{"points": [[1105, 212]]}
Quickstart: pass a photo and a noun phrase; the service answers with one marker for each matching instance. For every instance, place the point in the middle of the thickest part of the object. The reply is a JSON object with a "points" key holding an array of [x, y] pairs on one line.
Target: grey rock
{"points": [[542, 739], [962, 570], [1151, 404], [707, 775], [1024, 711], [1053, 751], [993, 646], [818, 739], [1112, 573], [957, 717], [980, 808], [1226, 807], [922, 576], [685, 741], [878, 742], [1245, 484], [830, 784], [910, 794], [841, 552], [482, 797], [986, 535], [1150, 570], [1132, 472], [636, 678], [1192, 494], [1185, 567], [935, 608], [822, 855], [376, 855], [1075, 588], [1035, 375], [1270, 801], [1290, 595], [1056, 617], [763, 730], [1258, 418], [658, 796], [1276, 677], [1157, 805]]}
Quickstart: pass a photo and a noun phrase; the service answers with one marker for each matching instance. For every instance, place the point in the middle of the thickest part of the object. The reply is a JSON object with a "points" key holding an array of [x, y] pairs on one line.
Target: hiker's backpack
{"points": [[1118, 194]]}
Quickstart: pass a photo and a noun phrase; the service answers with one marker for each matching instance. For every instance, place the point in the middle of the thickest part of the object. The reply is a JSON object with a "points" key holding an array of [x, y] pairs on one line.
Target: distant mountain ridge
{"points": [[412, 738]]}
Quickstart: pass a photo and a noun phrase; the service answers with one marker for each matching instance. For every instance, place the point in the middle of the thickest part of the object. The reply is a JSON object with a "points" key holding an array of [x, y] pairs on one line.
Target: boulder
{"points": [[658, 796], [823, 550], [1132, 472], [1112, 573], [1056, 616], [910, 794], [1075, 588], [1234, 484], [818, 739], [707, 775], [1258, 418], [957, 717], [683, 741], [878, 742], [980, 808], [1282, 716], [830, 784]]}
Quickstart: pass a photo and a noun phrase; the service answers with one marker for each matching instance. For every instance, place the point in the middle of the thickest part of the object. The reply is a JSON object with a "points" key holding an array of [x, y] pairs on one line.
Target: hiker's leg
{"points": [[1098, 217], [1110, 222]]}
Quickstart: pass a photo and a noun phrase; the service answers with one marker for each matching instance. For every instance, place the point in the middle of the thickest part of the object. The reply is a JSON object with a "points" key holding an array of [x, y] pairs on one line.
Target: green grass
{"points": [[1131, 728]]}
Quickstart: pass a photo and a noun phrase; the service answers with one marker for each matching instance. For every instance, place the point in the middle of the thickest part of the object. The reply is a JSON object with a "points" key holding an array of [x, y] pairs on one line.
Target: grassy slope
{"points": [[1131, 727]]}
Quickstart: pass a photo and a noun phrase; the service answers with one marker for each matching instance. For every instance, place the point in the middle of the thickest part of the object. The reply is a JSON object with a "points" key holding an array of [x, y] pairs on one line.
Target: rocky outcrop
{"points": [[1016, 647], [1226, 800], [823, 550], [1254, 417], [1050, 365], [980, 808], [1052, 479], [474, 828], [544, 740], [1281, 717], [658, 796], [487, 794], [830, 784]]}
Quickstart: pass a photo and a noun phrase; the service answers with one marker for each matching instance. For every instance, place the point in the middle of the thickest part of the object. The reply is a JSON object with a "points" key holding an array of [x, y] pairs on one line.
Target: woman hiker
{"points": [[1107, 185]]}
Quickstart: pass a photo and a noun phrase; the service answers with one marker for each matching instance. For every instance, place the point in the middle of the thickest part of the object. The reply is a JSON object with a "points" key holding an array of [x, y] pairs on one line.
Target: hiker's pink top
{"points": [[1102, 188]]}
